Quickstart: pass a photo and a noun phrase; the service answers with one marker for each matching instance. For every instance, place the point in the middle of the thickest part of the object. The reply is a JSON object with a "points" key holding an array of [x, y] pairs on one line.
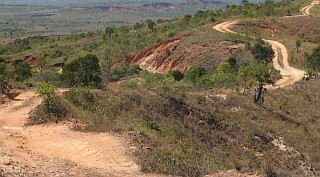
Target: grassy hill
{"points": [[191, 115]]}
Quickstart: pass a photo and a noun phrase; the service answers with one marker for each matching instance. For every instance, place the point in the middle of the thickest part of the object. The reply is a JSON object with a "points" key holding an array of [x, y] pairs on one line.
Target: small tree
{"points": [[177, 75], [262, 52], [298, 44], [313, 61], [150, 24], [109, 31], [46, 90], [83, 71], [22, 71], [3, 77], [194, 74]]}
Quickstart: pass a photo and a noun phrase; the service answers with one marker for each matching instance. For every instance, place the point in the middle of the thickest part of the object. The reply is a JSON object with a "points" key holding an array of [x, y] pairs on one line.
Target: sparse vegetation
{"points": [[186, 123]]}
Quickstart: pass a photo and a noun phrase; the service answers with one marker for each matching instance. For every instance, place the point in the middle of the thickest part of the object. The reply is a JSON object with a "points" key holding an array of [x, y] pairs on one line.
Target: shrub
{"points": [[53, 108], [194, 74], [124, 70], [58, 111], [84, 71], [132, 84], [262, 52], [3, 77], [22, 71], [177, 75]]}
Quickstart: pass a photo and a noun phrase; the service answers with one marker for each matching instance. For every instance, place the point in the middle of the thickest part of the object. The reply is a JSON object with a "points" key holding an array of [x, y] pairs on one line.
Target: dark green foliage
{"points": [[150, 24], [177, 75], [251, 73], [53, 107], [11, 49], [84, 71], [155, 79], [313, 61], [124, 70], [3, 77], [109, 31], [22, 71], [2, 60], [22, 43], [151, 125], [194, 74], [262, 52], [232, 61]]}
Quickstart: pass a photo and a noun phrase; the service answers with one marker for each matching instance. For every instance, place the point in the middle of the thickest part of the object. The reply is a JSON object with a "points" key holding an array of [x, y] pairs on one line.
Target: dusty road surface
{"points": [[289, 74], [56, 150], [306, 10]]}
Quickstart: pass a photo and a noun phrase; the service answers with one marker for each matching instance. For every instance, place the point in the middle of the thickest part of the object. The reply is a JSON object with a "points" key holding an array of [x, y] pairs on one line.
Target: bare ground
{"points": [[289, 74], [56, 150]]}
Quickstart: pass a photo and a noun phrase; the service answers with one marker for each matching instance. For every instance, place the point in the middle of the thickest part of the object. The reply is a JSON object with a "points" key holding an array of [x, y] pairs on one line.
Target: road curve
{"points": [[306, 10], [289, 74]]}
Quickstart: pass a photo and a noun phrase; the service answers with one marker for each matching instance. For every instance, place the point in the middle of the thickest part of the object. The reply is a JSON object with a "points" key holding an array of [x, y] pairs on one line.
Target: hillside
{"points": [[231, 92]]}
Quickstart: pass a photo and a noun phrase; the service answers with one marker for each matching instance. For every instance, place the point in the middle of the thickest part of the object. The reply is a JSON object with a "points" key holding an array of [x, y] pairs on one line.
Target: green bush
{"points": [[262, 52], [3, 77], [22, 71], [177, 75], [124, 70], [84, 71], [194, 74]]}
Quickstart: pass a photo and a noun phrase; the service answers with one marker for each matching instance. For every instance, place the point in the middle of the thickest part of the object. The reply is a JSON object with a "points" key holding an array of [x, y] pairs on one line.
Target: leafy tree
{"points": [[193, 74], [262, 52], [46, 90], [313, 61], [137, 26], [82, 71], [109, 31], [245, 3], [22, 71], [177, 75], [150, 24], [3, 77]]}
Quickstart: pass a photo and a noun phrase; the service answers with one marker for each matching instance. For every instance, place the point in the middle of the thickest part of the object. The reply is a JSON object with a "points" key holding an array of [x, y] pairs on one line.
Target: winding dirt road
{"points": [[306, 10], [289, 74], [56, 150]]}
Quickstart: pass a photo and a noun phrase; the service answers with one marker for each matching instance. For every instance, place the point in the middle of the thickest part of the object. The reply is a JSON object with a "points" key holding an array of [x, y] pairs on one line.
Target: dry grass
{"points": [[287, 31]]}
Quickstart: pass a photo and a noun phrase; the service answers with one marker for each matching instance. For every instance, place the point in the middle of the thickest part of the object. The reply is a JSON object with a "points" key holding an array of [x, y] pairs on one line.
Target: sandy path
{"points": [[306, 10], [289, 74], [55, 150]]}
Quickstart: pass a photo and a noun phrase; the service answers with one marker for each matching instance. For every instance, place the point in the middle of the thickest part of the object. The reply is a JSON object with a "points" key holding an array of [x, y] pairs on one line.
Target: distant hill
{"points": [[68, 2]]}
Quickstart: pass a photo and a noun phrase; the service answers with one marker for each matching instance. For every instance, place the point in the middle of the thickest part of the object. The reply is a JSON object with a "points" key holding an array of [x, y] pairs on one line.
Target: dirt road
{"points": [[289, 74], [306, 10], [56, 150]]}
